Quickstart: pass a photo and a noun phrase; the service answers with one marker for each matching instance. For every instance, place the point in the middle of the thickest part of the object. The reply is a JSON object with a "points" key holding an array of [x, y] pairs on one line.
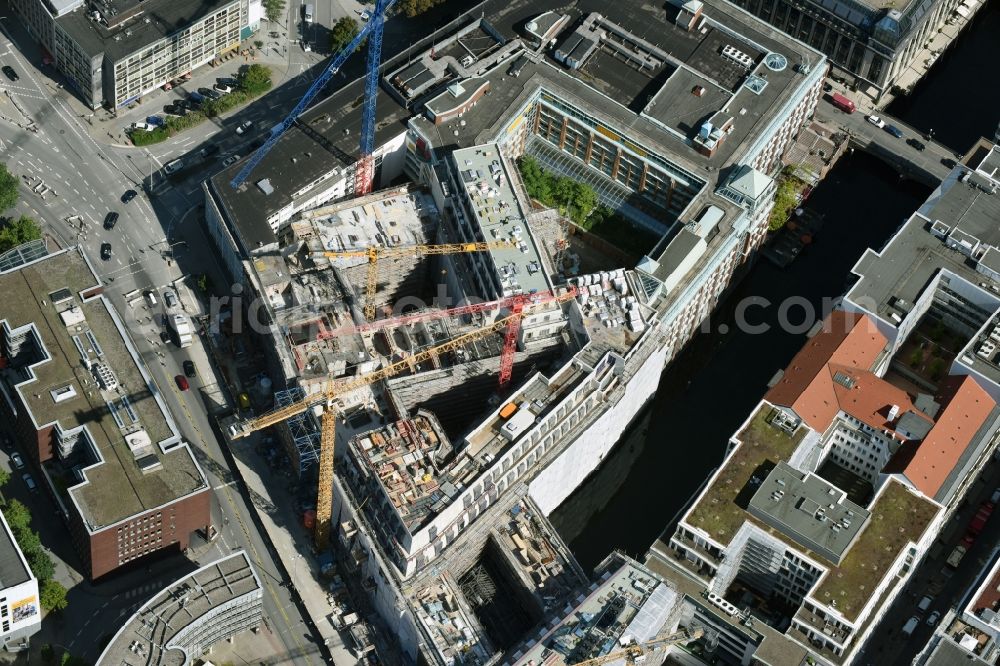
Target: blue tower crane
{"points": [[366, 167]]}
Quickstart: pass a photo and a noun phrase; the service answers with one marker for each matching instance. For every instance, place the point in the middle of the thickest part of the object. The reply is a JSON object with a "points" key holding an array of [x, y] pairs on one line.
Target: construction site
{"points": [[458, 370], [448, 370]]}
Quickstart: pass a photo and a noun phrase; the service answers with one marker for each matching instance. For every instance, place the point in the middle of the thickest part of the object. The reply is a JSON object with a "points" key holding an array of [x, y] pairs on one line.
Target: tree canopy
{"points": [[273, 10], [52, 596], [414, 7], [575, 200], [14, 232], [255, 79], [8, 189], [342, 32]]}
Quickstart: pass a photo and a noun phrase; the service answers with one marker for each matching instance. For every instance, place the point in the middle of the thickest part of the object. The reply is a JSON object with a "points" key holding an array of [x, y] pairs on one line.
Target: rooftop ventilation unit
{"points": [[737, 56], [265, 186]]}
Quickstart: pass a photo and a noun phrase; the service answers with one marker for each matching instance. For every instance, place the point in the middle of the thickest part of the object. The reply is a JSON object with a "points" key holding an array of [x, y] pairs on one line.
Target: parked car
{"points": [[196, 98], [105, 251], [895, 131], [16, 460], [916, 143], [169, 298], [948, 162], [182, 382], [189, 368], [224, 87], [10, 73], [30, 482], [7, 441], [174, 110], [110, 220], [164, 337], [209, 93], [232, 159], [209, 150], [876, 121], [145, 127], [933, 618], [244, 127]]}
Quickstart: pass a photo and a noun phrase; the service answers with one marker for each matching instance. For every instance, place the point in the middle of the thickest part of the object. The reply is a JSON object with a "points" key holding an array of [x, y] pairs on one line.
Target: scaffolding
{"points": [[301, 427]]}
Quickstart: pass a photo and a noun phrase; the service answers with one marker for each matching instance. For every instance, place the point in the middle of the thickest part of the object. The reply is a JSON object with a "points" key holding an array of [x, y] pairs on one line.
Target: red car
{"points": [[182, 382]]}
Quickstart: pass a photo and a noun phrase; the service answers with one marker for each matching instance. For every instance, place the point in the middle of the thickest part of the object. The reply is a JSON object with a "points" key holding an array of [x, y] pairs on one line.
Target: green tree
{"points": [[39, 561], [255, 79], [273, 10], [8, 189], [17, 515], [4, 477], [48, 655], [52, 596], [342, 32], [414, 7], [584, 200], [14, 232]]}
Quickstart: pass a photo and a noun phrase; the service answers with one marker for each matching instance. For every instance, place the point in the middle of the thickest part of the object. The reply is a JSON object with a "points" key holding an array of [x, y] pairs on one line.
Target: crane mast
{"points": [[373, 29]]}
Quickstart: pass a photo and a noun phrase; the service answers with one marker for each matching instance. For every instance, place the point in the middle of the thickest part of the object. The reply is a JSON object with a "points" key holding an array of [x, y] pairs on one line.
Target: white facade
{"points": [[20, 607]]}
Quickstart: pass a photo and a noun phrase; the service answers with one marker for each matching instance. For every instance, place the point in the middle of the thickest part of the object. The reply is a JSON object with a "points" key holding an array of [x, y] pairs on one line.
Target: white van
{"points": [[910, 625], [307, 13], [173, 167], [925, 603], [151, 299]]}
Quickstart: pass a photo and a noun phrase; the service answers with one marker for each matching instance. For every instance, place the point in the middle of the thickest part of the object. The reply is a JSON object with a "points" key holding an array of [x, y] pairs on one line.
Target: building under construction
{"points": [[676, 116]]}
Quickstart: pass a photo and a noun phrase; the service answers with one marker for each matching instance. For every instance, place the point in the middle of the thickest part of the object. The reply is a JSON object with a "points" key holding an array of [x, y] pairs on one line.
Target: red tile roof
{"points": [[846, 341], [870, 398], [965, 407]]}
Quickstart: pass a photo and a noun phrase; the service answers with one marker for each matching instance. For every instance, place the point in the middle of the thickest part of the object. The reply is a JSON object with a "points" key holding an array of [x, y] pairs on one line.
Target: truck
{"points": [[979, 521], [843, 103], [960, 550], [181, 330]]}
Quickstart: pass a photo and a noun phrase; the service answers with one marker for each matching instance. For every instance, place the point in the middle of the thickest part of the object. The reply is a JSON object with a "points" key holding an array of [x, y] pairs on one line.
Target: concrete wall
{"points": [[562, 476]]}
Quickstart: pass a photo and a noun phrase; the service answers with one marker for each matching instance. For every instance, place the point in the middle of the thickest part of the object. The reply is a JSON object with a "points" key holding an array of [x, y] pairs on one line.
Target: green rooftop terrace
{"points": [[718, 512], [898, 517]]}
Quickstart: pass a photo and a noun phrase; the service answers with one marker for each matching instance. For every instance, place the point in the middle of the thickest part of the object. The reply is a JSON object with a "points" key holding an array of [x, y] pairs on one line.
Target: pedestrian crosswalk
{"points": [[147, 590]]}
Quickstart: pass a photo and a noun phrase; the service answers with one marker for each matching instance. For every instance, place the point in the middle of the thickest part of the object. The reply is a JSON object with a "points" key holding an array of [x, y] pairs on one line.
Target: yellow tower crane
{"points": [[375, 253], [324, 495], [637, 652]]}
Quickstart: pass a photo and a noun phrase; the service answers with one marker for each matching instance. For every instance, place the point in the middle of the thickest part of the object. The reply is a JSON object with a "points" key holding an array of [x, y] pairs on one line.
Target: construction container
{"points": [[508, 410]]}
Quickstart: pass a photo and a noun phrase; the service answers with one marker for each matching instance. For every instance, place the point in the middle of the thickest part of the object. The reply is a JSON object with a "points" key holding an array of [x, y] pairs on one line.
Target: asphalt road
{"points": [[86, 179], [931, 159], [887, 646]]}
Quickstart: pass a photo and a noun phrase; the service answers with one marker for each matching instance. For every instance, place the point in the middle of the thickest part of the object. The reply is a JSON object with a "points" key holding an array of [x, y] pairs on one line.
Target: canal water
{"points": [[711, 388], [960, 97], [707, 393]]}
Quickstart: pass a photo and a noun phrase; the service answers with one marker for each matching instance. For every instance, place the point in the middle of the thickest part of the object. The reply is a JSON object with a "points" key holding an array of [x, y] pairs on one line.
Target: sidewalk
{"points": [[289, 542]]}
